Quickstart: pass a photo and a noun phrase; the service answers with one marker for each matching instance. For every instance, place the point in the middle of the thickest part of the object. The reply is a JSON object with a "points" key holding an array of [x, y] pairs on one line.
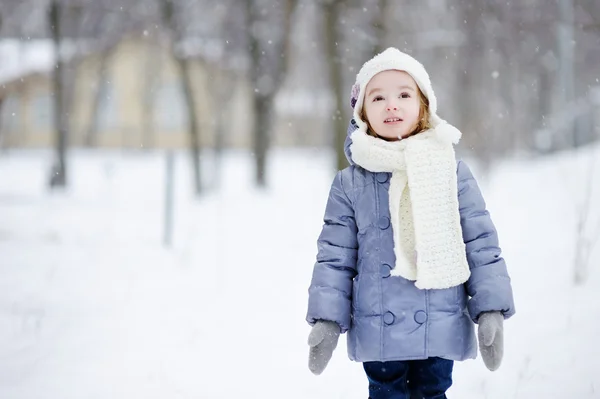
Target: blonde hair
{"points": [[422, 125]]}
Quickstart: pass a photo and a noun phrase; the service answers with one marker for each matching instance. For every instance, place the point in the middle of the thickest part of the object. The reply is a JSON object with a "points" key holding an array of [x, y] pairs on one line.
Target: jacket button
{"points": [[420, 317], [388, 318], [385, 270], [382, 177], [384, 222]]}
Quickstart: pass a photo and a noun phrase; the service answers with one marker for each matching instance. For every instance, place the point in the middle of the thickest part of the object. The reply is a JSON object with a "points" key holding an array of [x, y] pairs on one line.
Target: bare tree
{"points": [[379, 25], [58, 177], [269, 62], [331, 16], [151, 76], [184, 65], [100, 90], [592, 11], [222, 87], [2, 104], [110, 28], [566, 51], [588, 228], [473, 82]]}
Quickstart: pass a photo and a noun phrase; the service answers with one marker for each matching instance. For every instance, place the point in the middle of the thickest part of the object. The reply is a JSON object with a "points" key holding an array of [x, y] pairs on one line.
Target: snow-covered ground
{"points": [[92, 305]]}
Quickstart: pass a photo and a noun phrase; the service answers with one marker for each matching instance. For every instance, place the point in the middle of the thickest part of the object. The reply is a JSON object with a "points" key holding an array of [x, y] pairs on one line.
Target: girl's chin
{"points": [[396, 138]]}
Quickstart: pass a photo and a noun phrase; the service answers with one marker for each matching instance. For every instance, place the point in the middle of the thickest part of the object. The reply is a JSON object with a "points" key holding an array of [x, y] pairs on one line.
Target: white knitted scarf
{"points": [[423, 202]]}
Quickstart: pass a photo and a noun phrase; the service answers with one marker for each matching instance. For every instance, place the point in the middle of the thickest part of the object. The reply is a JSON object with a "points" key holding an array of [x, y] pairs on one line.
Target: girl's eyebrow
{"points": [[376, 89], [406, 87]]}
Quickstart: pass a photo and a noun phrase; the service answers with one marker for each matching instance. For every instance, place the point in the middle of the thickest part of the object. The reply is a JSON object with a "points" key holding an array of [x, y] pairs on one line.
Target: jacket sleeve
{"points": [[489, 285], [330, 291]]}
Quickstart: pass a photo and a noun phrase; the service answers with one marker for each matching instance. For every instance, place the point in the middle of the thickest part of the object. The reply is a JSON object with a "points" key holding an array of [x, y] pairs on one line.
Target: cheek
{"points": [[416, 109], [370, 111]]}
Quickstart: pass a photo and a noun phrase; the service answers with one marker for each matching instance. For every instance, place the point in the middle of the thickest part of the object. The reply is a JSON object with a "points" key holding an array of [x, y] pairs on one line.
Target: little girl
{"points": [[408, 257]]}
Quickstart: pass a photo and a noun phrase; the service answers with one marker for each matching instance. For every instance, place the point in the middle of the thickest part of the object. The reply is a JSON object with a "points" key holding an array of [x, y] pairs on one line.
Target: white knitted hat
{"points": [[394, 59]]}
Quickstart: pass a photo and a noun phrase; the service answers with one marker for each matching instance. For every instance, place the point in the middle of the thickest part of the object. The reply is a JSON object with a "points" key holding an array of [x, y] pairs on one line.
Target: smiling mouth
{"points": [[392, 120]]}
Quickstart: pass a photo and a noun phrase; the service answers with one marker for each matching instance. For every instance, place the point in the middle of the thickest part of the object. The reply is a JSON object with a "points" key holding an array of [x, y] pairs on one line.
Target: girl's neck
{"points": [[392, 139]]}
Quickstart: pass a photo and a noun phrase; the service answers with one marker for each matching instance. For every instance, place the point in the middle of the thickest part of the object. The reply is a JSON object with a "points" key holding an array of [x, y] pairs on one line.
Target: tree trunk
{"points": [[219, 149], [585, 238], [336, 80], [474, 85], [100, 91], [262, 102], [262, 126], [222, 88], [566, 50], [151, 73], [379, 26], [1, 115], [183, 65], [58, 176], [259, 101], [193, 128]]}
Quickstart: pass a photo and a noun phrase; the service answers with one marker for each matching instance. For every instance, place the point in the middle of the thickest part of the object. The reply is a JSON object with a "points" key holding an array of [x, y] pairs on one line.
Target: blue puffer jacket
{"points": [[387, 317]]}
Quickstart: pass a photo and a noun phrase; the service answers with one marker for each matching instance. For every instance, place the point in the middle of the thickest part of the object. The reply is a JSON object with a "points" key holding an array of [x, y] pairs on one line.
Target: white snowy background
{"points": [[93, 305]]}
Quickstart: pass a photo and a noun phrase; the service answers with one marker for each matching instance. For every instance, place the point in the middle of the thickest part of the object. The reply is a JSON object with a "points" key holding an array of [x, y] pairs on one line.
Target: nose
{"points": [[392, 107]]}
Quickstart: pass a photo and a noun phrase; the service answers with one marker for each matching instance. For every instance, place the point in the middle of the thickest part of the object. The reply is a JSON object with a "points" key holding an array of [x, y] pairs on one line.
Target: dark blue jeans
{"points": [[411, 379]]}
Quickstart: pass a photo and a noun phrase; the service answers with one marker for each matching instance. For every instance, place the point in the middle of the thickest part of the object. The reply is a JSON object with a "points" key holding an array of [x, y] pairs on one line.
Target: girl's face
{"points": [[392, 104]]}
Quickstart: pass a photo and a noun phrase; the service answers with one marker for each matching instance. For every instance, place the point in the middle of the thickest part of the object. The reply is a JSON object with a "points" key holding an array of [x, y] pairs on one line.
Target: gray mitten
{"points": [[491, 339], [322, 340]]}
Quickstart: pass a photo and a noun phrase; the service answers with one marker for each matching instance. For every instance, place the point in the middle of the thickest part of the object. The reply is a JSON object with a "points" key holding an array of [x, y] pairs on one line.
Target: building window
{"points": [[43, 112], [170, 108], [108, 116], [10, 114]]}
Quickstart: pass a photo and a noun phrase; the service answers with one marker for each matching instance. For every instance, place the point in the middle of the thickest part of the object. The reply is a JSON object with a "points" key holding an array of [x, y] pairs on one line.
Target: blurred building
{"points": [[127, 96]]}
